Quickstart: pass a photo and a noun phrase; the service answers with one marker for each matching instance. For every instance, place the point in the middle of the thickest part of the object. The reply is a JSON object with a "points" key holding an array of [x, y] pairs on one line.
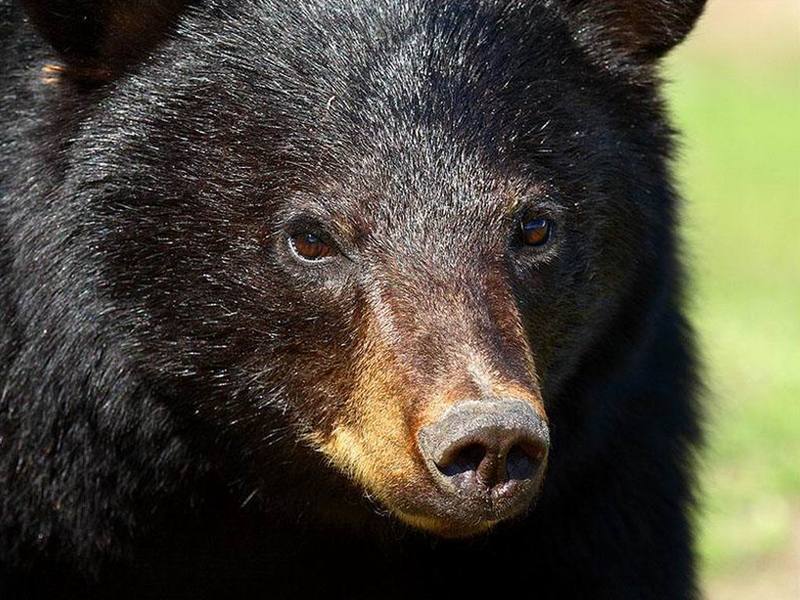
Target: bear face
{"points": [[386, 245]]}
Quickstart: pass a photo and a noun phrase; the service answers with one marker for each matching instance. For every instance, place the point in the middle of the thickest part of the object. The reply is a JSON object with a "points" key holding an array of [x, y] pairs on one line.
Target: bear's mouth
{"points": [[460, 517]]}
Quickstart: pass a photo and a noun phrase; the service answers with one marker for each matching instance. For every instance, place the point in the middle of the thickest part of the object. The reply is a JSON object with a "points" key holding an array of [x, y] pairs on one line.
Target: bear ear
{"points": [[98, 38], [641, 30]]}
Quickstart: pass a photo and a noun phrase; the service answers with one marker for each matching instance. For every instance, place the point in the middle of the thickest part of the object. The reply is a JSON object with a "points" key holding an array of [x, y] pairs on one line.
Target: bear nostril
{"points": [[462, 460], [522, 461], [488, 463]]}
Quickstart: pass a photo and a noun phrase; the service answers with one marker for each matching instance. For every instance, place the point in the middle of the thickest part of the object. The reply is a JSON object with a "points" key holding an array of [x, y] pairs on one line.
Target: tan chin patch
{"points": [[443, 528], [373, 443], [376, 464]]}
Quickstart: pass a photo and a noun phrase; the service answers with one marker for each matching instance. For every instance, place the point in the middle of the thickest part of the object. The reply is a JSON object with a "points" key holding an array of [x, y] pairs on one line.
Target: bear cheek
{"points": [[372, 440]]}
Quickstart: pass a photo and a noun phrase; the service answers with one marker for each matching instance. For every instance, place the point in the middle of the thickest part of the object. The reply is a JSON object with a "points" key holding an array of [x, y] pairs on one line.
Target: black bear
{"points": [[342, 299]]}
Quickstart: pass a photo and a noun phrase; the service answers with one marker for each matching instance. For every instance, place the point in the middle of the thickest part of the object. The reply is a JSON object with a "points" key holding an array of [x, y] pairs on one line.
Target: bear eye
{"points": [[310, 246], [536, 232]]}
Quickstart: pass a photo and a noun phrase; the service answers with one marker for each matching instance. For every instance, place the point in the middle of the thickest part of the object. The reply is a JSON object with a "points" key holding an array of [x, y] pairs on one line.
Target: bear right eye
{"points": [[536, 232], [310, 247]]}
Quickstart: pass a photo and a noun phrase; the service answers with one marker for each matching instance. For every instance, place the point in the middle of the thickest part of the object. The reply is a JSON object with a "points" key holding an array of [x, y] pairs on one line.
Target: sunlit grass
{"points": [[740, 173]]}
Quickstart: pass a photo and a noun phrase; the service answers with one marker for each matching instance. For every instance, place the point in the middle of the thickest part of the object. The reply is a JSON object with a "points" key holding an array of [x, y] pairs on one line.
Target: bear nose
{"points": [[487, 448]]}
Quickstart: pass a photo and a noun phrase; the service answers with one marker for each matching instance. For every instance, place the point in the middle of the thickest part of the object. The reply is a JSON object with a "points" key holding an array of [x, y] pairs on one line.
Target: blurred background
{"points": [[734, 89]]}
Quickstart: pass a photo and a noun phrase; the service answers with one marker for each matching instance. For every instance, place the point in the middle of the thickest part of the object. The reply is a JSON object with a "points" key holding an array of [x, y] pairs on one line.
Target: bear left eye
{"points": [[536, 232], [310, 247]]}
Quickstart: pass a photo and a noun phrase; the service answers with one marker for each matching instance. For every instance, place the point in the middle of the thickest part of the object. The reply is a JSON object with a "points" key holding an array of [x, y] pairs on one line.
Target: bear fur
{"points": [[171, 379]]}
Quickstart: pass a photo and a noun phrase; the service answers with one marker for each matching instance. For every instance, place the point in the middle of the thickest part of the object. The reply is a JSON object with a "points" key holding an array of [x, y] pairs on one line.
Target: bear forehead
{"points": [[475, 67]]}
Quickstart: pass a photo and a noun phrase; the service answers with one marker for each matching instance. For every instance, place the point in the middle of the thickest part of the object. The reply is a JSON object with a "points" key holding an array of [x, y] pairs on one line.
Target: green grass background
{"points": [[737, 100]]}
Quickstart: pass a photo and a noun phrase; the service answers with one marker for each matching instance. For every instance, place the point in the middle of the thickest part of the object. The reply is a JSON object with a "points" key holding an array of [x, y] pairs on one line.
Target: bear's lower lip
{"points": [[448, 526], [458, 517], [443, 527]]}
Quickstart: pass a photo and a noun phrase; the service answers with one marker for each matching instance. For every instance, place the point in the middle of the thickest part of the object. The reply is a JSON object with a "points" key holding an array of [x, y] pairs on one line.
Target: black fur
{"points": [[154, 346]]}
